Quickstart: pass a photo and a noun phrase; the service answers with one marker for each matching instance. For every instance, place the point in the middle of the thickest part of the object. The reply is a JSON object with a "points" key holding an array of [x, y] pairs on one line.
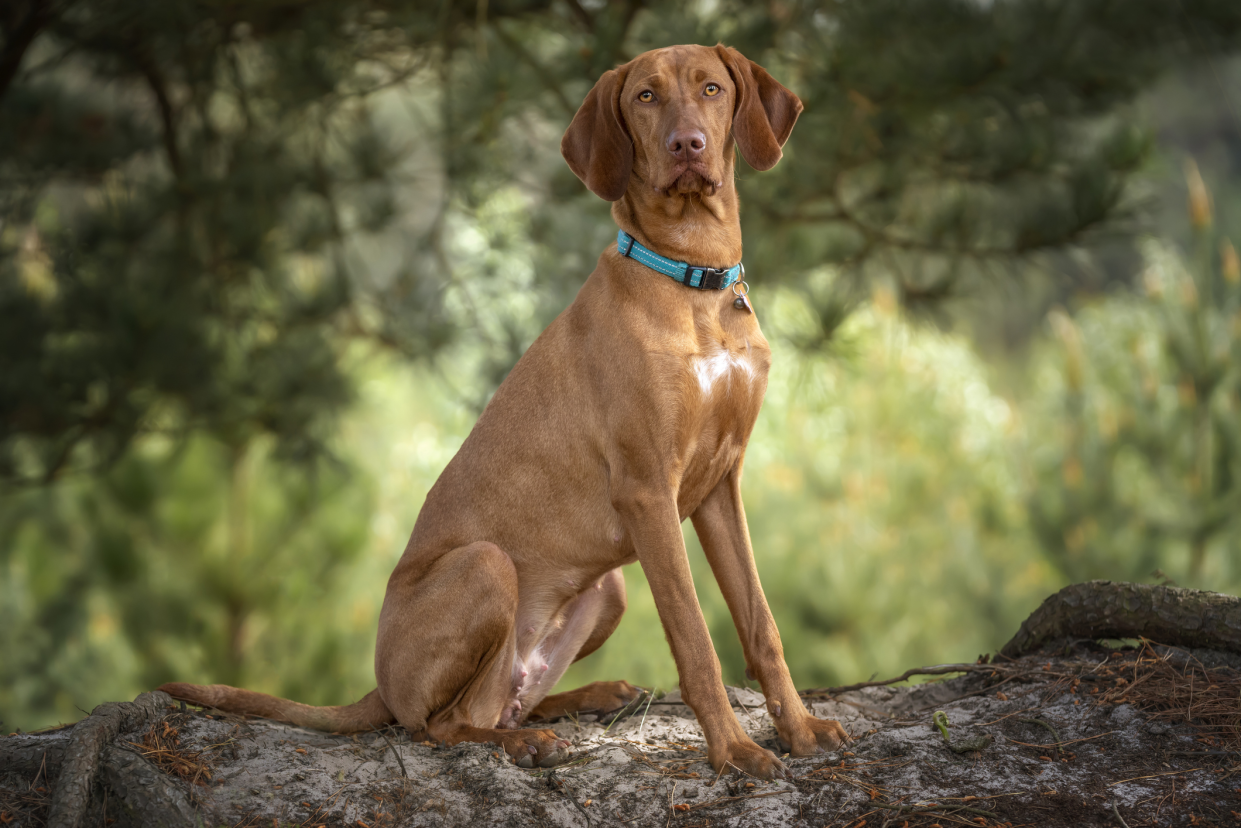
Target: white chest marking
{"points": [[718, 365]]}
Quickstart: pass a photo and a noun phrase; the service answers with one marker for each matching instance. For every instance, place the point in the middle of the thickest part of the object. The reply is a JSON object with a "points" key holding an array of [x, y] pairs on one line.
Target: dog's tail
{"points": [[365, 714]]}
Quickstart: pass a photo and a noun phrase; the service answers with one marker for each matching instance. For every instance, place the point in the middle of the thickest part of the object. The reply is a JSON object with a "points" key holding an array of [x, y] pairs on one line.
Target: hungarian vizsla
{"points": [[627, 415]]}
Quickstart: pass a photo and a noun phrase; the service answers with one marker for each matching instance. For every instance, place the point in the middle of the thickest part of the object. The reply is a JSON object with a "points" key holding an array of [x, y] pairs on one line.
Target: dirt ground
{"points": [[1083, 736]]}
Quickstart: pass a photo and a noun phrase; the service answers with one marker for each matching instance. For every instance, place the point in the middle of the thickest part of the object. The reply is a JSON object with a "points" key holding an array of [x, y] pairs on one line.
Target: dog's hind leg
{"points": [[584, 624], [445, 652]]}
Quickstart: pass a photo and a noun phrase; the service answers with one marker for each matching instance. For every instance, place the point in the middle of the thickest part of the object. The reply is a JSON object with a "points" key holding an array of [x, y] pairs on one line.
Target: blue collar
{"points": [[703, 278]]}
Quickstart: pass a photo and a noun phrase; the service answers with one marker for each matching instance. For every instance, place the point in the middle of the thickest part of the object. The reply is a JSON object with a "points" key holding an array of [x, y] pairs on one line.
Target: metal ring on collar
{"points": [[741, 283]]}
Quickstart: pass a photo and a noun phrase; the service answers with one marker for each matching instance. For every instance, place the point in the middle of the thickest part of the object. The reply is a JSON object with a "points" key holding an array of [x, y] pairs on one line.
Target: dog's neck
{"points": [[687, 227]]}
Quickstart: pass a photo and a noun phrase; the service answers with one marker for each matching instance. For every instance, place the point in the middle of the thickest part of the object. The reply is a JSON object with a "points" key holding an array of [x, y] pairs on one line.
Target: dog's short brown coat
{"points": [[627, 415]]}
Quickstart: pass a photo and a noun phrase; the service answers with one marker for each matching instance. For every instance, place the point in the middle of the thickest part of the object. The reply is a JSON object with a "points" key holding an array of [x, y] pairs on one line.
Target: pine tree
{"points": [[187, 192], [209, 211], [1145, 470]]}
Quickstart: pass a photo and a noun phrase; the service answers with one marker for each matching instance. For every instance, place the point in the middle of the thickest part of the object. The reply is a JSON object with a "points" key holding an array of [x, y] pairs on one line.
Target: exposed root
{"points": [[72, 793], [1107, 609]]}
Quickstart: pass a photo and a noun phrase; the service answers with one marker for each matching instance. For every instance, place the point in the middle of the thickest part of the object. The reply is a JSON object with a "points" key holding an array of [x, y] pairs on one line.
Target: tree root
{"points": [[1107, 609], [74, 757], [150, 796], [25, 753]]}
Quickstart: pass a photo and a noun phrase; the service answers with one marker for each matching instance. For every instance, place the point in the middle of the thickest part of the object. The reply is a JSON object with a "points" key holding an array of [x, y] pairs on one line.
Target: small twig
{"points": [[980, 692], [736, 798], [575, 763], [914, 809], [1152, 776], [1055, 735], [1072, 742], [740, 771], [399, 760], [649, 699], [1201, 752], [42, 770], [1009, 716], [748, 715], [937, 670], [1116, 811], [558, 784], [1088, 738]]}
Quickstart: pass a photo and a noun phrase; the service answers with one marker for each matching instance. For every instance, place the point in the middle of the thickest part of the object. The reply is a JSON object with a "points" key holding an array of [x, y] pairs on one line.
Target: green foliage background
{"points": [[261, 267]]}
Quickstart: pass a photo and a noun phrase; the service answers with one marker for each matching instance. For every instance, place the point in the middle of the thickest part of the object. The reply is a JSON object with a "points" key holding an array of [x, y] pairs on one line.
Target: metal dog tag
{"points": [[742, 291]]}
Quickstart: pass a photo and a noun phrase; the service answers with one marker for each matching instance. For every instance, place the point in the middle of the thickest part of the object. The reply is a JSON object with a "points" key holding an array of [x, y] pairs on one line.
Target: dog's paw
{"points": [[541, 748], [749, 759], [813, 736]]}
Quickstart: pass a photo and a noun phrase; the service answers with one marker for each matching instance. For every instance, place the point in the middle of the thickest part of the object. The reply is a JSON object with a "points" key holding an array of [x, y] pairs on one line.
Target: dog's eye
{"points": [[647, 96], [712, 89]]}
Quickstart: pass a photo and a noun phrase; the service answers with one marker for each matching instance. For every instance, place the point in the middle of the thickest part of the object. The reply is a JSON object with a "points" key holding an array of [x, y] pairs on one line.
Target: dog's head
{"points": [[669, 118]]}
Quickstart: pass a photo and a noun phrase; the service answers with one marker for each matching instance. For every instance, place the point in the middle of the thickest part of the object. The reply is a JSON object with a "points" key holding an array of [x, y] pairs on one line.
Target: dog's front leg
{"points": [[721, 527], [653, 523]]}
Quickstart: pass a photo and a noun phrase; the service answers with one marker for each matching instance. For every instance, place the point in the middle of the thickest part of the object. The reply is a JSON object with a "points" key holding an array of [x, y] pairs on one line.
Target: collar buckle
{"points": [[711, 279]]}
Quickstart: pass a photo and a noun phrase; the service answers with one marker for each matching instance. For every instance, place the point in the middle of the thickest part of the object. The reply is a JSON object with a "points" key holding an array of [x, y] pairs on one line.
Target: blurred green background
{"points": [[262, 264]]}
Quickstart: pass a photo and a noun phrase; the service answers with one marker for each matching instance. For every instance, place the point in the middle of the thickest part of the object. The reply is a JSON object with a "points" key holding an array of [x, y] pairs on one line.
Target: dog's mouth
{"points": [[686, 178]]}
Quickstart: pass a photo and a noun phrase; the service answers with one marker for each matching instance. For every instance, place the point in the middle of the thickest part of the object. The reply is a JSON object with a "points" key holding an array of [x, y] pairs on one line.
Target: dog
{"points": [[630, 413]]}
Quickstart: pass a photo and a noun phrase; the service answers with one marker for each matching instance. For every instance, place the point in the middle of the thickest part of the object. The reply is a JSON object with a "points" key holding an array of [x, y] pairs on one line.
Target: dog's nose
{"points": [[687, 144]]}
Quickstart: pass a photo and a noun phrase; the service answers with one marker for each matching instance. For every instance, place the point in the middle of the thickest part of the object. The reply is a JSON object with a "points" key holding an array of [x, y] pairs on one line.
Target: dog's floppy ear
{"points": [[764, 113], [596, 145]]}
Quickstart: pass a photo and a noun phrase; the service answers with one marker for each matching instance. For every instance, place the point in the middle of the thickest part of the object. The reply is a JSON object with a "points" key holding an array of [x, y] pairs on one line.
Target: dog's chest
{"points": [[727, 364], [719, 368], [725, 377]]}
